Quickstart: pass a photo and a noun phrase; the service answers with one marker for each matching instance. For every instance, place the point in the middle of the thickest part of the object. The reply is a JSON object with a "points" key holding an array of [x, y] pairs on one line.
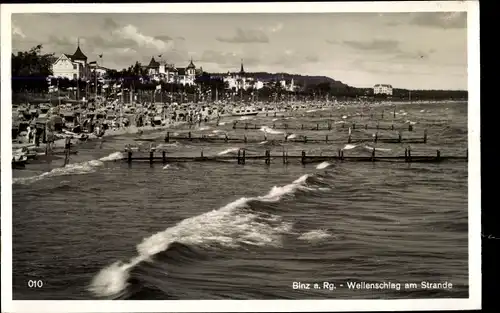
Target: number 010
{"points": [[35, 283]]}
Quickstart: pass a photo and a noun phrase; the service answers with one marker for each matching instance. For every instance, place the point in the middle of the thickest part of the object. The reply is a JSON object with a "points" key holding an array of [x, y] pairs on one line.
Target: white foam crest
{"points": [[339, 122], [243, 118], [262, 142], [315, 235], [344, 117], [377, 149], [225, 226], [322, 165], [422, 111], [204, 128], [222, 123], [349, 146], [217, 131], [292, 136], [410, 122], [228, 151], [311, 111], [112, 157], [275, 119], [268, 130], [70, 169]]}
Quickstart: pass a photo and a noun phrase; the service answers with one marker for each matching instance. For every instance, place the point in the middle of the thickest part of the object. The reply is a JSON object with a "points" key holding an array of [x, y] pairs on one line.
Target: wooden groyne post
{"points": [[400, 137], [409, 154], [285, 157], [438, 155], [189, 136], [167, 137], [373, 155], [394, 113], [234, 124], [303, 159], [243, 157], [326, 138], [67, 150], [375, 139], [268, 157], [425, 136], [239, 156]]}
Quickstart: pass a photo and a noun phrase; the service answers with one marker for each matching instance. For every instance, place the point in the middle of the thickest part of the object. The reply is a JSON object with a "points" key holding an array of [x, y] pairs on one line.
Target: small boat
{"points": [[19, 161], [244, 112]]}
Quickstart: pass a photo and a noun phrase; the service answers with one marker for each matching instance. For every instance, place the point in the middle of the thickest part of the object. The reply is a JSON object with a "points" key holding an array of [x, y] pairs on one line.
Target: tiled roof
{"points": [[191, 65], [78, 55], [153, 63]]}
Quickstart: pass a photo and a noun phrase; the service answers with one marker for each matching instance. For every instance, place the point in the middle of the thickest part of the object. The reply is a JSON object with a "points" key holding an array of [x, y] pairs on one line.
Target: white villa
{"points": [[239, 80], [71, 66], [163, 71], [382, 89]]}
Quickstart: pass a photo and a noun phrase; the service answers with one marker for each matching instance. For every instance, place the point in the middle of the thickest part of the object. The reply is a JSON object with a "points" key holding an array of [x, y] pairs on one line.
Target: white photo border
{"points": [[474, 193]]}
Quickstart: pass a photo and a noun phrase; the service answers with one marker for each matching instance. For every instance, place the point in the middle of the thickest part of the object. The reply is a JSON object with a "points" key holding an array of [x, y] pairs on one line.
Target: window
{"points": [[74, 76], [75, 66]]}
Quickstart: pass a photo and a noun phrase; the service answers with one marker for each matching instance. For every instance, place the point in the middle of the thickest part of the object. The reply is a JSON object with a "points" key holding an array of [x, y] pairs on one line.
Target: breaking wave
{"points": [[241, 223], [70, 169]]}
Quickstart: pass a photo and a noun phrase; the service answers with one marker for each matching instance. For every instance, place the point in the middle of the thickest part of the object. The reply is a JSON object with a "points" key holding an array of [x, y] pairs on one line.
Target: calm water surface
{"points": [[99, 229]]}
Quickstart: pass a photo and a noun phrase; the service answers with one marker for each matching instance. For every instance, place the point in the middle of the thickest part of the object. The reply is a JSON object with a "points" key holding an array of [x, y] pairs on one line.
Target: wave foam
{"points": [[349, 147], [229, 226], [70, 169], [322, 165], [268, 130], [315, 235], [230, 150]]}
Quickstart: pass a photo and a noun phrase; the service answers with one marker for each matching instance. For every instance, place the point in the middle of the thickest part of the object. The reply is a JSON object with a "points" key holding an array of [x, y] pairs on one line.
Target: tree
{"points": [[30, 70]]}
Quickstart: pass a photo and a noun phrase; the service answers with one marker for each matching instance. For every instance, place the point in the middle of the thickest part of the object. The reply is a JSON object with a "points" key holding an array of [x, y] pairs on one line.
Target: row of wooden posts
{"points": [[241, 157], [286, 139], [372, 115], [317, 128]]}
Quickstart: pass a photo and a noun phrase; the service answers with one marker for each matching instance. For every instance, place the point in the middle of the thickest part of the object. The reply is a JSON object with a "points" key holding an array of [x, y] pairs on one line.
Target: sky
{"points": [[425, 50]]}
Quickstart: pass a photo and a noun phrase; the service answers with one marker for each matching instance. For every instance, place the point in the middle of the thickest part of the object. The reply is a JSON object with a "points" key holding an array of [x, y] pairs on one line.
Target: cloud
{"points": [[109, 23], [332, 42], [278, 27], [246, 36], [414, 55], [443, 20], [16, 31], [294, 59], [163, 38], [131, 32], [229, 60], [380, 45]]}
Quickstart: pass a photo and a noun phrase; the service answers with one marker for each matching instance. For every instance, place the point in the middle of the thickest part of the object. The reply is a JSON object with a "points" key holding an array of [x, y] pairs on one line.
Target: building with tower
{"points": [[71, 66], [240, 80]]}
